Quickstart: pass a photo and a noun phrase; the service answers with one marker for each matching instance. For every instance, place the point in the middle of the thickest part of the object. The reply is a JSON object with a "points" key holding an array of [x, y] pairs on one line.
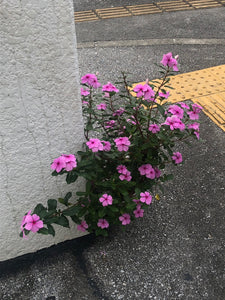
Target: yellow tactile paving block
{"points": [[174, 5], [195, 84], [143, 9], [204, 3], [206, 87], [87, 15], [113, 12]]}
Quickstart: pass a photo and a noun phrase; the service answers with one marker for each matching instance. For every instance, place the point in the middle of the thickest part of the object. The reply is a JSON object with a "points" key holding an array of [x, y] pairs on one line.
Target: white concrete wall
{"points": [[40, 113]]}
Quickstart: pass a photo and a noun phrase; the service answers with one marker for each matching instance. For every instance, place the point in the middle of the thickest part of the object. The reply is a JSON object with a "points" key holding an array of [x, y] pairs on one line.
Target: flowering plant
{"points": [[130, 136]]}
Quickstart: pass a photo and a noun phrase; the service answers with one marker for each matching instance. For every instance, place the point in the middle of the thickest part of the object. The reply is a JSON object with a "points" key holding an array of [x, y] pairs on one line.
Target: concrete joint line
{"points": [[150, 42]]}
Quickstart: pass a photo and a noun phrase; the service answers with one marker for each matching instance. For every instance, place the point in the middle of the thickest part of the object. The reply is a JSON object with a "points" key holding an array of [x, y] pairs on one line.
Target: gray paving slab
{"points": [[202, 23]]}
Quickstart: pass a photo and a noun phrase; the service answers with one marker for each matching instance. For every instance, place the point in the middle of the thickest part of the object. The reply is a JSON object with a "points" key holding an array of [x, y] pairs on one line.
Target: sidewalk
{"points": [[177, 250]]}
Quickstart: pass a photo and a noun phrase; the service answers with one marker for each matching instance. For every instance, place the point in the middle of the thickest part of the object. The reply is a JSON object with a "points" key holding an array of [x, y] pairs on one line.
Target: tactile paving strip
{"points": [[143, 9], [114, 12], [206, 87], [174, 5], [204, 3], [84, 16]]}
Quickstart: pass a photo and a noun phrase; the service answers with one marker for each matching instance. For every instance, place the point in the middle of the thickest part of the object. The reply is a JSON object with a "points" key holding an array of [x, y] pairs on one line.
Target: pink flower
{"points": [[146, 198], [106, 200], [193, 115], [125, 176], [150, 174], [149, 94], [194, 126], [70, 162], [109, 87], [136, 201], [110, 124], [179, 125], [91, 79], [197, 134], [121, 169], [177, 157], [139, 212], [144, 90], [125, 219], [83, 226], [119, 112], [198, 108], [23, 223], [24, 219], [154, 128], [140, 90], [177, 111], [84, 92], [184, 105], [157, 172], [84, 102], [58, 164], [122, 143], [174, 122], [166, 96], [106, 95], [106, 145], [169, 61], [103, 223], [32, 223], [147, 170], [131, 121], [95, 145], [101, 106]]}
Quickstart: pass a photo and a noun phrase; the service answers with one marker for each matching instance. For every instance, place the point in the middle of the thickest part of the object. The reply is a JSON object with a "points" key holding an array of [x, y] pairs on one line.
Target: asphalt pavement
{"points": [[177, 250]]}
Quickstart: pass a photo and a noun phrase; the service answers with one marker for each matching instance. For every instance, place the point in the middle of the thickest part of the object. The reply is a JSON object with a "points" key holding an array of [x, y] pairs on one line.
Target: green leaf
{"points": [[89, 126], [71, 211], [137, 192], [131, 206], [38, 209], [113, 208], [67, 197], [43, 230], [52, 204], [102, 212], [61, 200], [82, 211], [54, 173], [81, 193], [169, 177], [51, 220], [161, 109], [71, 177], [88, 176], [100, 231], [63, 221], [88, 187], [75, 219], [51, 230]]}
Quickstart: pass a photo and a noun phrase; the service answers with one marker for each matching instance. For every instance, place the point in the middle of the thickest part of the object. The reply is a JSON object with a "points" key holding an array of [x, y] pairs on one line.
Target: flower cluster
{"points": [[31, 223], [67, 162], [124, 173], [131, 136]]}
